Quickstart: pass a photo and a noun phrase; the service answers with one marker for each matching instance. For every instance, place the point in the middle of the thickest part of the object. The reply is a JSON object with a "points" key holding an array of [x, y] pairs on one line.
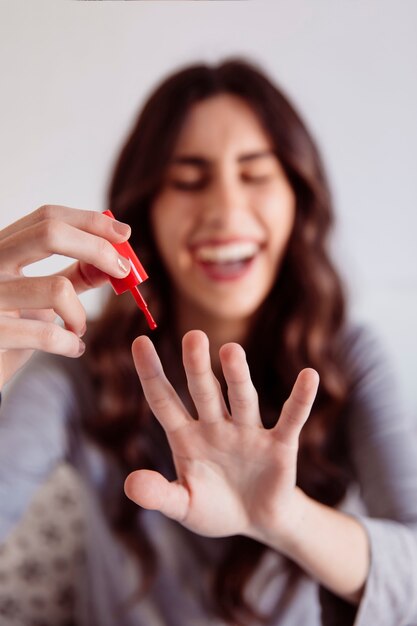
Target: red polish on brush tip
{"points": [[135, 277]]}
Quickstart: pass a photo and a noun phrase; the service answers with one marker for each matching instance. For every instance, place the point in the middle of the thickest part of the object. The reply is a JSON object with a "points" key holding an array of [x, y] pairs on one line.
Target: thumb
{"points": [[152, 491]]}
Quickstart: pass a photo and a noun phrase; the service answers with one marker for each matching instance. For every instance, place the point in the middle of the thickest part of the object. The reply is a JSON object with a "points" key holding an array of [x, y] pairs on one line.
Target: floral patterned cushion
{"points": [[40, 560]]}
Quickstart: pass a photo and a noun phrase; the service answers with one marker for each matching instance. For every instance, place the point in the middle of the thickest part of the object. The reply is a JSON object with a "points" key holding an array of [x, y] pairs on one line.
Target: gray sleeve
{"points": [[382, 441], [33, 434]]}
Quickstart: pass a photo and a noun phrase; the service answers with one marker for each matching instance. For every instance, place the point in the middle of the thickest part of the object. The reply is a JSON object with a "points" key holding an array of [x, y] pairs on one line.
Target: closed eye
{"points": [[183, 185], [257, 180], [200, 184]]}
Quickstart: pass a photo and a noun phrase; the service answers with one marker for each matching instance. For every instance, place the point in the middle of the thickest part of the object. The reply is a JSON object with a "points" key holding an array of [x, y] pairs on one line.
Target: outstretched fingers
{"points": [[243, 397], [152, 491], [203, 386], [297, 408], [159, 393]]}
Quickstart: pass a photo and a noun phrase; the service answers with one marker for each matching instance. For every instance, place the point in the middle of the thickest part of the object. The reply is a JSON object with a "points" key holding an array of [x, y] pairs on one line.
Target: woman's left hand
{"points": [[234, 477]]}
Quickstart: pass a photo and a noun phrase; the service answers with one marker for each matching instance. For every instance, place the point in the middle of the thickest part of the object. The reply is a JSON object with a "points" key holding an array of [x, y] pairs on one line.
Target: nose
{"points": [[225, 202]]}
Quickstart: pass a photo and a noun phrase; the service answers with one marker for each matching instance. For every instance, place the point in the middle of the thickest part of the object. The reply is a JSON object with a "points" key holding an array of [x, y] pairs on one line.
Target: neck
{"points": [[219, 331]]}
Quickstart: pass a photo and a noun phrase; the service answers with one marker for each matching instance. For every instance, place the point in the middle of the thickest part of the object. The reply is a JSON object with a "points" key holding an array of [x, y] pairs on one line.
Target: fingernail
{"points": [[82, 332], [122, 229], [124, 265], [81, 348]]}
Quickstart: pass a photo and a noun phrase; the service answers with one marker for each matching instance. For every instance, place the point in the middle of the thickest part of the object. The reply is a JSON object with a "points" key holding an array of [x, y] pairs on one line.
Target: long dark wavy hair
{"points": [[299, 324]]}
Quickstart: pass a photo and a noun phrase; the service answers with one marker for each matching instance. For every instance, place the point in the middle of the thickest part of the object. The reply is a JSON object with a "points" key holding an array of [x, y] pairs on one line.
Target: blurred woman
{"points": [[241, 489]]}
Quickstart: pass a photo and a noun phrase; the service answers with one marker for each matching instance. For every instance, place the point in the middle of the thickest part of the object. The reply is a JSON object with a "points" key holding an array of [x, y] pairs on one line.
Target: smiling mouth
{"points": [[234, 252], [226, 261]]}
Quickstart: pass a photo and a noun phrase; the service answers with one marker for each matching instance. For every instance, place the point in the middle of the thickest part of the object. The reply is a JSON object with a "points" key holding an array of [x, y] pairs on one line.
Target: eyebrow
{"points": [[201, 162]]}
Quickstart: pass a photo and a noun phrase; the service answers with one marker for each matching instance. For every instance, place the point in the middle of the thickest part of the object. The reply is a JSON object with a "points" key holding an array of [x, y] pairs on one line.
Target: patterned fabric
{"points": [[41, 558]]}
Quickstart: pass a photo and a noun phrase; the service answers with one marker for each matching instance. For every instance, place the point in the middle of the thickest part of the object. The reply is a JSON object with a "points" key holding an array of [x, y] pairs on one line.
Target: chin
{"points": [[238, 311]]}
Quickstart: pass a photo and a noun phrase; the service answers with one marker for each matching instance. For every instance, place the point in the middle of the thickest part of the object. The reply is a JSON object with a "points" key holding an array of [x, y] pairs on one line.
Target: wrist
{"points": [[284, 529]]}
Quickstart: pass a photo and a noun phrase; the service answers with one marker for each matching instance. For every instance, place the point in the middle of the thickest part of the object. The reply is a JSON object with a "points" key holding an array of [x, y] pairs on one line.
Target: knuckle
{"points": [[240, 402], [61, 288], [289, 416], [244, 399], [160, 402], [49, 337], [94, 221], [45, 212], [105, 249], [203, 396], [49, 232], [301, 403]]}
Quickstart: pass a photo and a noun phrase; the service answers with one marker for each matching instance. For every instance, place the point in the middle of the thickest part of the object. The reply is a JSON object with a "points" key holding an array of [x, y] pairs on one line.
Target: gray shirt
{"points": [[41, 424]]}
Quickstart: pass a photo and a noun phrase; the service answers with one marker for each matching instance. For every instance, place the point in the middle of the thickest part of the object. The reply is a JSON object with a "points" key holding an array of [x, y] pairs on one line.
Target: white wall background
{"points": [[72, 75]]}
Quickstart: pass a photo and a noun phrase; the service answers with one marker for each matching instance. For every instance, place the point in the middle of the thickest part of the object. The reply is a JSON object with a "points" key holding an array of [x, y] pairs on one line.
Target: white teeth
{"points": [[227, 253]]}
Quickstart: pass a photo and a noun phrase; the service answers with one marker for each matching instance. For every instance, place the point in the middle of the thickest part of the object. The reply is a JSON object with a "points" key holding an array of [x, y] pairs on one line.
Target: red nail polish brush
{"points": [[135, 277]]}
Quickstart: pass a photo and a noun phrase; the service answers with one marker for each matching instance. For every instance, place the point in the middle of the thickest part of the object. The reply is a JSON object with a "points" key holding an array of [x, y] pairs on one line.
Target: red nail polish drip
{"points": [[135, 277]]}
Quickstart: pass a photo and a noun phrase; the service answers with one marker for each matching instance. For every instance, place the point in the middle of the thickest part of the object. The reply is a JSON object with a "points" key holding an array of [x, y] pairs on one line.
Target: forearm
{"points": [[33, 434], [330, 546]]}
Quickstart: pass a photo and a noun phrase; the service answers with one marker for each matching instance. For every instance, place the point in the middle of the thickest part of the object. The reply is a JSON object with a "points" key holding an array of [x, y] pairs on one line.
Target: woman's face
{"points": [[225, 213]]}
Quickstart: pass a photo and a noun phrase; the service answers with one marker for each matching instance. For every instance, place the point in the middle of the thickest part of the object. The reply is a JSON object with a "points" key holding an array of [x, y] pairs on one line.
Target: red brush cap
{"points": [[137, 273], [135, 277]]}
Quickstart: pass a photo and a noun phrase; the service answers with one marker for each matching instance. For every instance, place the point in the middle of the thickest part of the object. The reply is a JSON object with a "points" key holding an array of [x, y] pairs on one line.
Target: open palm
{"points": [[233, 475]]}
